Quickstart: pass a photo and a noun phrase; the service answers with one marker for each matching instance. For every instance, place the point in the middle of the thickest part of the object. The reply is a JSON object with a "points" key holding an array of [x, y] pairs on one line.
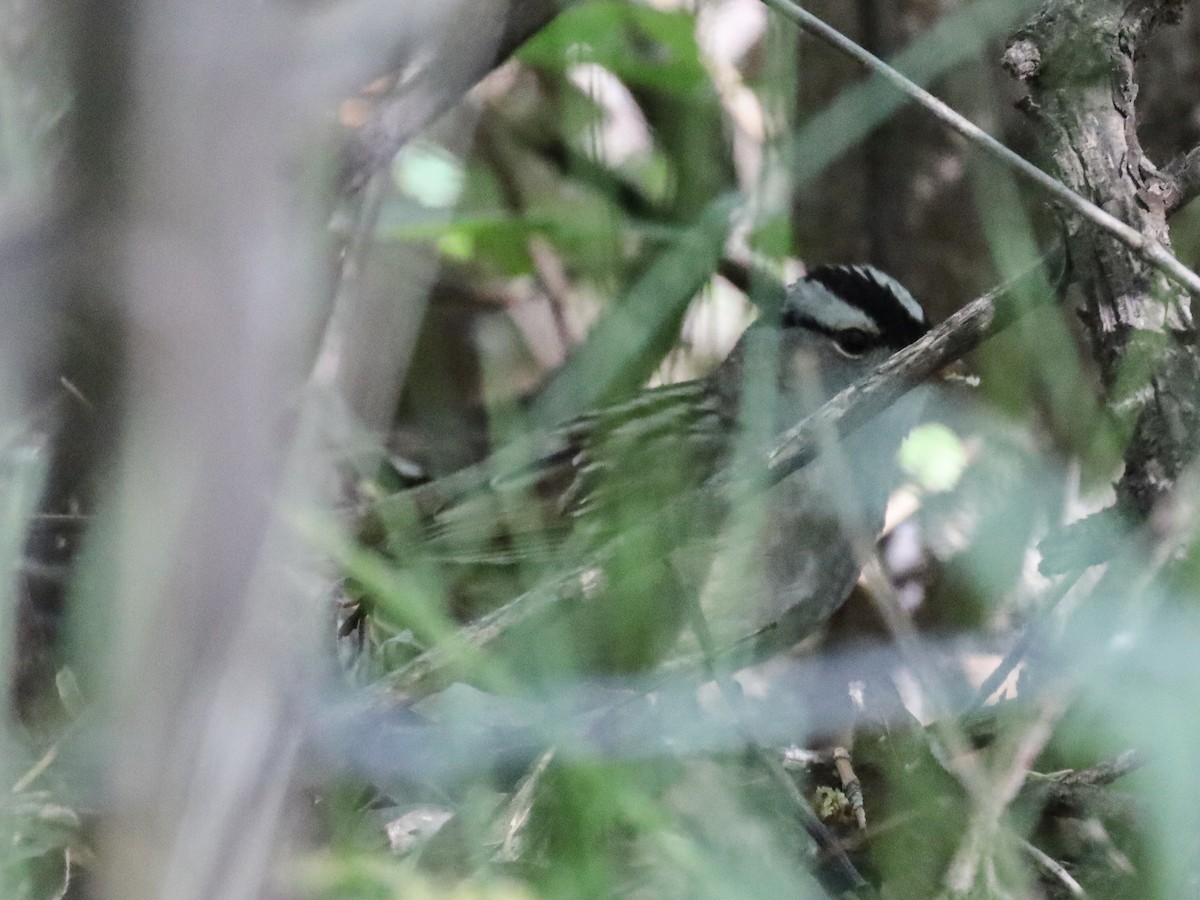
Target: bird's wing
{"points": [[598, 470], [661, 443]]}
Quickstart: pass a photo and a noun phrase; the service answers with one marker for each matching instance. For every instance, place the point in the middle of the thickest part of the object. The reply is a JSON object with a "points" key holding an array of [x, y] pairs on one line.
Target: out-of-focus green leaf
{"points": [[934, 456], [626, 345], [639, 45], [773, 238], [430, 175], [580, 221], [503, 239]]}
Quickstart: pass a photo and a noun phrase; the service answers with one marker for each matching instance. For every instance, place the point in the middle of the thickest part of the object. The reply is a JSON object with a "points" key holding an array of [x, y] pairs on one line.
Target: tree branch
{"points": [[958, 335]]}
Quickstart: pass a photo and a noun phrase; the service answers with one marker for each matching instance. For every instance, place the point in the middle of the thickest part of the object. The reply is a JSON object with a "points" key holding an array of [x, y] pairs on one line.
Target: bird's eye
{"points": [[853, 341]]}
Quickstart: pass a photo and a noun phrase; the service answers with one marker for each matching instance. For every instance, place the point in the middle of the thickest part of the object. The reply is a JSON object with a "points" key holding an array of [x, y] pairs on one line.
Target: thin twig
{"points": [[771, 764], [555, 287], [989, 805], [1083, 794], [1153, 251], [1055, 868], [851, 786], [1033, 630], [1101, 773]]}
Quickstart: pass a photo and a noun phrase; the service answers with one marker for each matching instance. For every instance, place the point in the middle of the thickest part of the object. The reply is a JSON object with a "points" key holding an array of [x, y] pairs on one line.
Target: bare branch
{"points": [[958, 335]]}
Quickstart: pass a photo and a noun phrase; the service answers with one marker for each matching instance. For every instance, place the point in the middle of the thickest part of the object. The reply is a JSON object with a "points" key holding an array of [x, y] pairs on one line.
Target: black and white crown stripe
{"points": [[870, 298]]}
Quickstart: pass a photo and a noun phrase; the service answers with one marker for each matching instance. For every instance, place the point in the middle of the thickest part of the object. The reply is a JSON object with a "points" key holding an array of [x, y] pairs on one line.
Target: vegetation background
{"points": [[264, 266]]}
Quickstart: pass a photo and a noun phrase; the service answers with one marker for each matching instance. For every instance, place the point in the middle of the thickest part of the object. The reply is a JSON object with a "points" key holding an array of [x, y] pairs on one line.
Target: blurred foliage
{"points": [[618, 143], [641, 180], [624, 167]]}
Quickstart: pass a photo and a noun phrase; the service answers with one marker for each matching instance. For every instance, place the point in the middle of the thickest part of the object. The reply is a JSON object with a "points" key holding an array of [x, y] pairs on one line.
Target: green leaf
{"points": [[618, 353], [639, 45], [933, 456]]}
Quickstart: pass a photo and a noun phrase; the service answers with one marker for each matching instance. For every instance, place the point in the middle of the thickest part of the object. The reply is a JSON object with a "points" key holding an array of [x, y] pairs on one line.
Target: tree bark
{"points": [[1077, 61]]}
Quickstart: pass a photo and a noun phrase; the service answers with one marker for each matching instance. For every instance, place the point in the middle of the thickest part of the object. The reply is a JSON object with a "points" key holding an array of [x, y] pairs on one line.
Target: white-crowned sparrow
{"points": [[642, 497]]}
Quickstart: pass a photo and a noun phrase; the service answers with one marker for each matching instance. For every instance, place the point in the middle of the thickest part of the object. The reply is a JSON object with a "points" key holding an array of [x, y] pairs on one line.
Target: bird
{"points": [[646, 503]]}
